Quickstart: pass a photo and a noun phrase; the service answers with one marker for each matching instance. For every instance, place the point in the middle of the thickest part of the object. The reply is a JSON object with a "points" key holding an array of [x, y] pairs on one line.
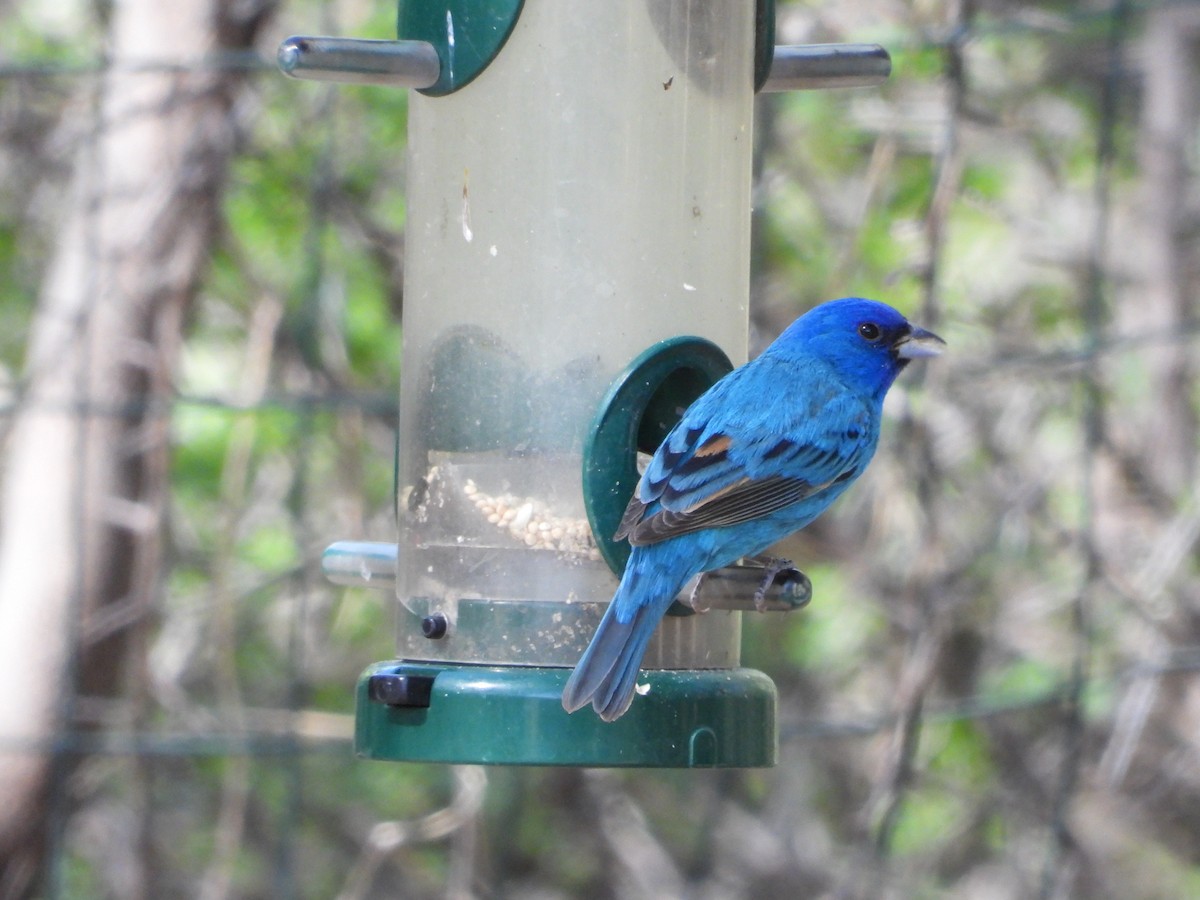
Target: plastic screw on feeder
{"points": [[434, 627]]}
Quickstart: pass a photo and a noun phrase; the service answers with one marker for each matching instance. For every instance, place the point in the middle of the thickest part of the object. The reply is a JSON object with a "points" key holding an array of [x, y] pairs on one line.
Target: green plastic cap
{"points": [[467, 35]]}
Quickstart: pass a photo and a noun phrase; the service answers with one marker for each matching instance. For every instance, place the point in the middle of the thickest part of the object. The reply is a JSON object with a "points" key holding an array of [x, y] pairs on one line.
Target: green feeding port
{"points": [[640, 409]]}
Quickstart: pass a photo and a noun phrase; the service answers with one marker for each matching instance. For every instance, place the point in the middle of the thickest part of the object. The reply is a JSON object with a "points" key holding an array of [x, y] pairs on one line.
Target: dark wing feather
{"points": [[678, 504], [741, 502], [630, 518]]}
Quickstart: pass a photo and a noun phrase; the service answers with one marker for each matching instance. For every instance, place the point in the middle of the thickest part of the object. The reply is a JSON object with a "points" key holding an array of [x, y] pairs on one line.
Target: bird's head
{"points": [[868, 341]]}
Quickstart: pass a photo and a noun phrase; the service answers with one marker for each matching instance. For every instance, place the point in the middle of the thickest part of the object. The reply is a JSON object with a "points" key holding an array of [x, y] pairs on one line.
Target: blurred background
{"points": [[994, 693]]}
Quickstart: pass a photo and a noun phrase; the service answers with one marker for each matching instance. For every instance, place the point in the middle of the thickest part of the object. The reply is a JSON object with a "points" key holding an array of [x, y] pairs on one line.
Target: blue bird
{"points": [[758, 456]]}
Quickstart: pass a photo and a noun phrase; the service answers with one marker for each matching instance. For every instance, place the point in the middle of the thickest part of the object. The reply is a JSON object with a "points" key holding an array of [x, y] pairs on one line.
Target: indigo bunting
{"points": [[759, 455]]}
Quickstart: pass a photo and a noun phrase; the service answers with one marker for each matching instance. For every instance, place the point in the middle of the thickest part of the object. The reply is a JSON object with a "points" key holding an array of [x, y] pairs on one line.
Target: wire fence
{"points": [[996, 698]]}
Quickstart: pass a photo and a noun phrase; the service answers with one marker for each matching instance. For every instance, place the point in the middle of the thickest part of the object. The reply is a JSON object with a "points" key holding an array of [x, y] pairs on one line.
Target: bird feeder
{"points": [[577, 260]]}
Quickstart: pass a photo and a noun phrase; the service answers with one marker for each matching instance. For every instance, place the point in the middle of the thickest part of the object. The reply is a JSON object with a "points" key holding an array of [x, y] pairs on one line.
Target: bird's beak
{"points": [[918, 343]]}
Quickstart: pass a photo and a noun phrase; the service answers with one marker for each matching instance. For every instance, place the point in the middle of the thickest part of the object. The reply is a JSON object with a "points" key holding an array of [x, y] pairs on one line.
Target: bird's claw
{"points": [[694, 600], [783, 571]]}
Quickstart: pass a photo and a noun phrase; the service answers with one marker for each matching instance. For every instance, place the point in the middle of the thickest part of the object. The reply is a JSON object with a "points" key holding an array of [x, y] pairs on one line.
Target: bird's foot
{"points": [[694, 601], [775, 570]]}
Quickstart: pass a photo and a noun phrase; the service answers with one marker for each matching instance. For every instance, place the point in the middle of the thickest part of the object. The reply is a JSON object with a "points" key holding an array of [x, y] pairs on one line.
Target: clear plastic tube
{"points": [[586, 196]]}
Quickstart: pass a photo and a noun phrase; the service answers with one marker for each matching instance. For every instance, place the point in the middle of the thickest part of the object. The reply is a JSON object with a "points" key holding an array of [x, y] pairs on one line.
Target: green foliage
{"points": [[833, 632], [17, 294], [958, 754], [929, 814], [1021, 681], [200, 436]]}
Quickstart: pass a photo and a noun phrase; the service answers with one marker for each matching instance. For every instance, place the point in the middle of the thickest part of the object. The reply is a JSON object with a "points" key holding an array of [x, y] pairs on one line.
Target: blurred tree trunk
{"points": [[83, 491], [1166, 136]]}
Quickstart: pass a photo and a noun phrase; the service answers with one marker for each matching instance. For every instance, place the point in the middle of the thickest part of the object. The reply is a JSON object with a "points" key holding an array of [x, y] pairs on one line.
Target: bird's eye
{"points": [[869, 331]]}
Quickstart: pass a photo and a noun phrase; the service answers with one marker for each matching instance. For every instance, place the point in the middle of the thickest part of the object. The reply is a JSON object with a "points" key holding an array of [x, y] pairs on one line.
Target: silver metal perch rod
{"points": [[415, 64], [409, 64], [814, 66]]}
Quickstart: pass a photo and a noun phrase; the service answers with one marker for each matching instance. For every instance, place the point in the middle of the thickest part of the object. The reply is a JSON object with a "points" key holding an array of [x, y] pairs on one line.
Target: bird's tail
{"points": [[606, 674]]}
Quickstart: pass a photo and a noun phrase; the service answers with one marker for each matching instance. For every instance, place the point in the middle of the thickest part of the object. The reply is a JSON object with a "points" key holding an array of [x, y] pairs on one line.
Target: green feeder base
{"points": [[511, 715]]}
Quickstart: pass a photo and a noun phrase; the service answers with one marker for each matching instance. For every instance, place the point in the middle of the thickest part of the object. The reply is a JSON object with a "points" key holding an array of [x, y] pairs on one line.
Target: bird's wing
{"points": [[725, 469]]}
